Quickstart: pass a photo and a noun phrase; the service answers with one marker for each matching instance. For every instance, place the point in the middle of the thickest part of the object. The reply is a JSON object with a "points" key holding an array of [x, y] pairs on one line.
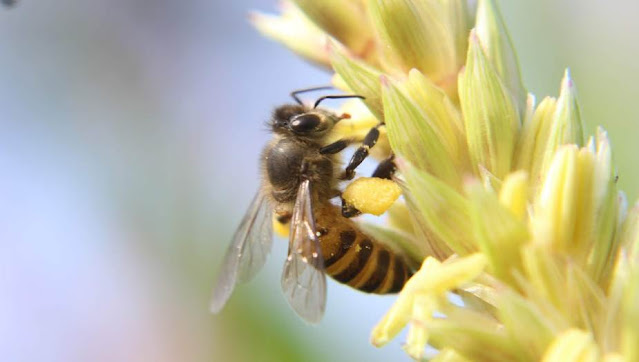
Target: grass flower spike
{"points": [[509, 205]]}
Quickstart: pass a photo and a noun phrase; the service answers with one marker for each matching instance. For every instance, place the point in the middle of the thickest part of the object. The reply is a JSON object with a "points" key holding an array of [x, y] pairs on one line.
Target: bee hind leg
{"points": [[349, 210], [386, 169]]}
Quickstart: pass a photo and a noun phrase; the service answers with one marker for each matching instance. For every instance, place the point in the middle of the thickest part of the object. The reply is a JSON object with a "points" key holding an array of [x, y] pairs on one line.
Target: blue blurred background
{"points": [[129, 135]]}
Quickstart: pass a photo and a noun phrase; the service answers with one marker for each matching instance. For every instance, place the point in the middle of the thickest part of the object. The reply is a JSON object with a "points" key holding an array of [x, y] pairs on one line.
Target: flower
{"points": [[512, 207]]}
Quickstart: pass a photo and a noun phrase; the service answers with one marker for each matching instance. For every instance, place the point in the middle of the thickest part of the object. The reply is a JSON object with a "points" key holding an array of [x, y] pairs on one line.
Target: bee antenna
{"points": [[305, 90], [320, 99]]}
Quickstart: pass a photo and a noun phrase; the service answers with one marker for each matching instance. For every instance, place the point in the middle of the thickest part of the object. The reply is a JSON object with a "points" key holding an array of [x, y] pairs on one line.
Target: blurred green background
{"points": [[129, 135]]}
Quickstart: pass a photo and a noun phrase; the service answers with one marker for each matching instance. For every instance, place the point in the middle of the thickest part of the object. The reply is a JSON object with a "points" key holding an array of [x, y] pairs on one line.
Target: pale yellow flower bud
{"points": [[344, 20], [296, 32], [442, 208], [573, 345], [449, 355], [514, 194], [422, 295], [361, 79], [564, 208], [412, 133], [630, 331], [423, 35], [490, 116], [566, 126], [499, 233], [495, 41], [534, 137]]}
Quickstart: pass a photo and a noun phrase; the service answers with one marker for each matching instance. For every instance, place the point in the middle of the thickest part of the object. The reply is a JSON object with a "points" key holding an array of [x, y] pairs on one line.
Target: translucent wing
{"points": [[303, 279], [248, 251]]}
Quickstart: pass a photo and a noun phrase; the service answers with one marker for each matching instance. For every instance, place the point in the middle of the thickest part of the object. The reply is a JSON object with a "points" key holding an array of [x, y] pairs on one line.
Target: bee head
{"points": [[302, 121]]}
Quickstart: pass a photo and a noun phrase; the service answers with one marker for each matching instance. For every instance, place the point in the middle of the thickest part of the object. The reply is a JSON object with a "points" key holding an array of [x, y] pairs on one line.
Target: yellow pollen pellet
{"points": [[371, 195]]}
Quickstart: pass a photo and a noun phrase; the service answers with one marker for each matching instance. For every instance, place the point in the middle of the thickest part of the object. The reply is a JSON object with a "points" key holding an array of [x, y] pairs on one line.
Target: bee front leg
{"points": [[335, 147], [362, 152]]}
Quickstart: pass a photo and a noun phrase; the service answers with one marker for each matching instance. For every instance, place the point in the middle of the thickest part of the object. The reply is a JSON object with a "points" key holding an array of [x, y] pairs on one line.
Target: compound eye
{"points": [[304, 123]]}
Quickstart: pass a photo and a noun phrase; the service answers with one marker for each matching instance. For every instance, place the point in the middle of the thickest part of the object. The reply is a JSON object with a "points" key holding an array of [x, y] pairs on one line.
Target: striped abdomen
{"points": [[352, 257]]}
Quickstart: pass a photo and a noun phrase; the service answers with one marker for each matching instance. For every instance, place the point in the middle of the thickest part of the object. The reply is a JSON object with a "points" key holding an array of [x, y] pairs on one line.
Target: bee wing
{"points": [[248, 251], [303, 279]]}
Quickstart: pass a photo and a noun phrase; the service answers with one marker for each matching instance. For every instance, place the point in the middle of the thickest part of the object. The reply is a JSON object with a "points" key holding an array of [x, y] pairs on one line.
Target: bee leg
{"points": [[348, 210], [335, 147], [304, 170], [335, 193], [386, 168], [284, 218], [362, 152]]}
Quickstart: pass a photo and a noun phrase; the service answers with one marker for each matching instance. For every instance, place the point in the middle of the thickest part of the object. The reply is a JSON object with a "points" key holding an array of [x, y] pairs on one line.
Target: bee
{"points": [[301, 173]]}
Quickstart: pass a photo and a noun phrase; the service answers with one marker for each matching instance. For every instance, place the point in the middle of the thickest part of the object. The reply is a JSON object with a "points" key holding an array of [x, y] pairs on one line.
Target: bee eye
{"points": [[304, 123]]}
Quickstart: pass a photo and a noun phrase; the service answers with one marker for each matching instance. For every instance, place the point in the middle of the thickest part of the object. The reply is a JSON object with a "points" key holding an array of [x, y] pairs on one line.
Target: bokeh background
{"points": [[129, 135]]}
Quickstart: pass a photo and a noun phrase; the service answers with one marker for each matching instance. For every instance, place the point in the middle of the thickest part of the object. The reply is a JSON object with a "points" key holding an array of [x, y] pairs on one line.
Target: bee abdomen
{"points": [[353, 258], [380, 270]]}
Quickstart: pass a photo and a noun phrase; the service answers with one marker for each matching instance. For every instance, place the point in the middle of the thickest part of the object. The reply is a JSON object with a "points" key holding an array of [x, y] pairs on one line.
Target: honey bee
{"points": [[300, 175]]}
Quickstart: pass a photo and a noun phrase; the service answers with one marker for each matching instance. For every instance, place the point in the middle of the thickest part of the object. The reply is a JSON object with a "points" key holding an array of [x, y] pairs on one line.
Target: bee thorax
{"points": [[288, 161]]}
